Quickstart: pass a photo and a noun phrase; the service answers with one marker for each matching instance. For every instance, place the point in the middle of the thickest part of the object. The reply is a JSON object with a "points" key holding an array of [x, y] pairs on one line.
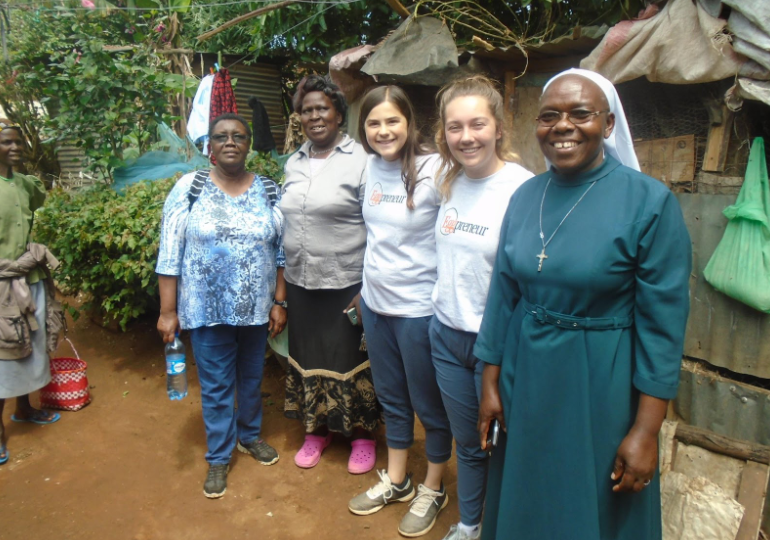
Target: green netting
{"points": [[156, 165], [740, 266]]}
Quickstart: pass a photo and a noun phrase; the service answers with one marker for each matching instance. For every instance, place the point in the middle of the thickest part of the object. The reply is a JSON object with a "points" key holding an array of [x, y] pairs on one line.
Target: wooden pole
{"points": [[510, 93], [247, 16], [399, 8], [720, 444], [718, 143]]}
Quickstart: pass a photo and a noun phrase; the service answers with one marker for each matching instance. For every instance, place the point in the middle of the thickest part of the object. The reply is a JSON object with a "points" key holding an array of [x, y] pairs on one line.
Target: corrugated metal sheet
{"points": [[261, 80], [720, 330], [70, 159], [721, 405]]}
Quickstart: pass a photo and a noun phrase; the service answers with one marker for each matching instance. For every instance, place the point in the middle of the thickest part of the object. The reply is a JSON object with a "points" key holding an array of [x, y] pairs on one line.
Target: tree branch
{"points": [[399, 8], [247, 16]]}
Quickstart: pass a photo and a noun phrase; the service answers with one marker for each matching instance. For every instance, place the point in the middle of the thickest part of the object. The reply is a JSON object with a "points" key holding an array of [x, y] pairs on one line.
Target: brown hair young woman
{"points": [[400, 208]]}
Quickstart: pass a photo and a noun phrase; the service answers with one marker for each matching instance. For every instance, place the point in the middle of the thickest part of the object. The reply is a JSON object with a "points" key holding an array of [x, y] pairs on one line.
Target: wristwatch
{"points": [[284, 304]]}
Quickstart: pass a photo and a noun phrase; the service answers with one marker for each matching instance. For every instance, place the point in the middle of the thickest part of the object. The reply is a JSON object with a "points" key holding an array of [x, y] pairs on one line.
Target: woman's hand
{"points": [[637, 455], [356, 303], [168, 326], [491, 405], [636, 460], [277, 320]]}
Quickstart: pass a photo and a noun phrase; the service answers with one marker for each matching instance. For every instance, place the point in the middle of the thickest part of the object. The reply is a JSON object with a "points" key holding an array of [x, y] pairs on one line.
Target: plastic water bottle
{"points": [[176, 370]]}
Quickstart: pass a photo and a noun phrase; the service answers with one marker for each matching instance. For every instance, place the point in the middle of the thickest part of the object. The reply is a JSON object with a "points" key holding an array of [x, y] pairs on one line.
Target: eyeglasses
{"points": [[578, 116], [237, 138]]}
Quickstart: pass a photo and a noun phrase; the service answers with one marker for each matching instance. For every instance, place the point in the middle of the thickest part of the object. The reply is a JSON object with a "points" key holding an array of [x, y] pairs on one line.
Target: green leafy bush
{"points": [[107, 244], [263, 163]]}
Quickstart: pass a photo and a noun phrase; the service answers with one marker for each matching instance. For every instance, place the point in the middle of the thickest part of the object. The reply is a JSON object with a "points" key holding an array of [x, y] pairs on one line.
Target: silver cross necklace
{"points": [[542, 256]]}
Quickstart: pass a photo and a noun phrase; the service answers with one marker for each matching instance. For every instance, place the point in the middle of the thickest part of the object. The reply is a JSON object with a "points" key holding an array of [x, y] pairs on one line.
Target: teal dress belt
{"points": [[569, 322]]}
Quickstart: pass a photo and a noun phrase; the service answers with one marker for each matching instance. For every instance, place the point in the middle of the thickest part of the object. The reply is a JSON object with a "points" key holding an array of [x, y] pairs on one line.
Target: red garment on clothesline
{"points": [[222, 95], [222, 98]]}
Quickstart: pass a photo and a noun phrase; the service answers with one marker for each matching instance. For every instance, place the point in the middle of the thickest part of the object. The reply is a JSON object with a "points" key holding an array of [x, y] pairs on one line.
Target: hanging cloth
{"points": [[740, 266], [198, 124], [260, 123], [222, 95]]}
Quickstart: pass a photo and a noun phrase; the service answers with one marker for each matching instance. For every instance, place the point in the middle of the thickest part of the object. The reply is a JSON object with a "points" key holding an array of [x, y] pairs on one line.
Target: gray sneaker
{"points": [[216, 480], [382, 493], [456, 533], [260, 450], [423, 511]]}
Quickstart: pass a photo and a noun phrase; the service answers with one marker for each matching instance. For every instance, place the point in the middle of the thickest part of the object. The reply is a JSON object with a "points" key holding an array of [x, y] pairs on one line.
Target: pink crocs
{"points": [[310, 453], [363, 456]]}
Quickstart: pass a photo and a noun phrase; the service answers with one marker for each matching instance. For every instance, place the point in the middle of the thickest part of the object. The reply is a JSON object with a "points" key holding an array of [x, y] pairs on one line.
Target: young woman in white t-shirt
{"points": [[477, 179], [400, 208]]}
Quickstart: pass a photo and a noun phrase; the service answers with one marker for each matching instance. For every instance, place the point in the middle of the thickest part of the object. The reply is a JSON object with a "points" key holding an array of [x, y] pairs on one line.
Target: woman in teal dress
{"points": [[583, 330]]}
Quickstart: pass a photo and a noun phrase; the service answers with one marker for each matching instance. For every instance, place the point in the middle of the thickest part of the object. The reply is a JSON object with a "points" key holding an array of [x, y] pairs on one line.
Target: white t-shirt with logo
{"points": [[400, 259], [467, 235]]}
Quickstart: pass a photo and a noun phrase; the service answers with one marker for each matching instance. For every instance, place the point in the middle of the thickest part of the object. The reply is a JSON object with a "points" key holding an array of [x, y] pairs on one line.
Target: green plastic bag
{"points": [[280, 343], [740, 266]]}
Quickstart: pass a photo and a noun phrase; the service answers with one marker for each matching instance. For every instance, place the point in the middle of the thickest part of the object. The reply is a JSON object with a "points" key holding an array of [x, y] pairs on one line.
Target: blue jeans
{"points": [[405, 382], [230, 360], [458, 373]]}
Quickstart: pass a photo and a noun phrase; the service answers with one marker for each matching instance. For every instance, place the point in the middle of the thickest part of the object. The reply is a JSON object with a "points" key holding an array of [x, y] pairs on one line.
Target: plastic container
{"points": [[176, 370]]}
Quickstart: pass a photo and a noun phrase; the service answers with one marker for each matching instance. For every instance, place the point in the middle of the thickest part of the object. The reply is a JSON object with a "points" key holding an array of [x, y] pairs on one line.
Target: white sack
{"points": [[682, 44], [697, 509]]}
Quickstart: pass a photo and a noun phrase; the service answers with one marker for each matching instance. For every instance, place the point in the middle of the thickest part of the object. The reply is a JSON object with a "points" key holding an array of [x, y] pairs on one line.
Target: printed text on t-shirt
{"points": [[451, 224], [378, 196]]}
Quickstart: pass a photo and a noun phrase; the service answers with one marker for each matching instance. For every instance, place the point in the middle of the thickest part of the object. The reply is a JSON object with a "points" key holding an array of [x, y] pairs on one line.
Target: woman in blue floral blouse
{"points": [[220, 270]]}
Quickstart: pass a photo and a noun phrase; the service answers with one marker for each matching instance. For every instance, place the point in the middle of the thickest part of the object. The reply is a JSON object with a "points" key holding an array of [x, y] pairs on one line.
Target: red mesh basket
{"points": [[68, 389]]}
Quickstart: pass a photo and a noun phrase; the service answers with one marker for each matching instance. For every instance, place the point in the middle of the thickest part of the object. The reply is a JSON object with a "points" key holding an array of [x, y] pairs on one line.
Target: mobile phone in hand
{"points": [[493, 434], [352, 314]]}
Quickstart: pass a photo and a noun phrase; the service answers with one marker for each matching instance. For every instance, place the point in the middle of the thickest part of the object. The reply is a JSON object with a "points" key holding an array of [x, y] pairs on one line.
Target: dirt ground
{"points": [[130, 465]]}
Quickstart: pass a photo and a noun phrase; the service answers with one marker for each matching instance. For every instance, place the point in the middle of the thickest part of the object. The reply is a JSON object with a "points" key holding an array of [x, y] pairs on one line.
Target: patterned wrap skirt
{"points": [[329, 381]]}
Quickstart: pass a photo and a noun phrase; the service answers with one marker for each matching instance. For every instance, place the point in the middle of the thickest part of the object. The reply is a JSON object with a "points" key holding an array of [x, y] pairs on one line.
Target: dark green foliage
{"points": [[107, 245], [263, 163], [314, 32], [305, 32], [98, 78]]}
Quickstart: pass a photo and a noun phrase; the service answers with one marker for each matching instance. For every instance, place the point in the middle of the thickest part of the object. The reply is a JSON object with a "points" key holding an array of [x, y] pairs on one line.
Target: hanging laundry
{"points": [[198, 124], [260, 123], [222, 96]]}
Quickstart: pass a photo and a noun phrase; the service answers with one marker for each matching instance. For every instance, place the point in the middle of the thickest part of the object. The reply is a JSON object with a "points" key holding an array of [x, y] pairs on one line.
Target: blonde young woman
{"points": [[400, 208], [478, 178]]}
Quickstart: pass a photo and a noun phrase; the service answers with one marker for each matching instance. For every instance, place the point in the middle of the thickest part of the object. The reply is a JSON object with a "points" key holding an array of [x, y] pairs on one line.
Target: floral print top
{"points": [[225, 252]]}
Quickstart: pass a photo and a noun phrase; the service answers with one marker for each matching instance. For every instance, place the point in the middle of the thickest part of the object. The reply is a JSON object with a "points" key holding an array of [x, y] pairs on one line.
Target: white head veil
{"points": [[619, 144]]}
